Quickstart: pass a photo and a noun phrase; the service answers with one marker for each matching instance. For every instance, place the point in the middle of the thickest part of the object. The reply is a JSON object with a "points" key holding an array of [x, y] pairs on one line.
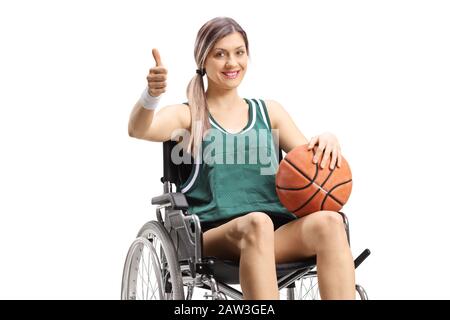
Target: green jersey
{"points": [[235, 172]]}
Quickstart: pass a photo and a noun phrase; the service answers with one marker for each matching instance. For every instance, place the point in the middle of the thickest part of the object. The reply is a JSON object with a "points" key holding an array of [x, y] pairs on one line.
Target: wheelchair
{"points": [[165, 261]]}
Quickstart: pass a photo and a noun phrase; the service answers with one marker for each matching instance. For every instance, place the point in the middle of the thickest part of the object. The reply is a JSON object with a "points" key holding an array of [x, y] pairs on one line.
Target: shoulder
{"points": [[272, 104], [185, 113], [182, 112], [274, 110]]}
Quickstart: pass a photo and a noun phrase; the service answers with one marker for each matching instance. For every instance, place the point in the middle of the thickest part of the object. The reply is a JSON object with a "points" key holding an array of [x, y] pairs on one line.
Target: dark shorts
{"points": [[277, 220]]}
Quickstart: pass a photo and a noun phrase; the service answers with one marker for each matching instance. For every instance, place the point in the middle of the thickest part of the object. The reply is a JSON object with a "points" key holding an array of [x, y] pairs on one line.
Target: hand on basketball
{"points": [[328, 144]]}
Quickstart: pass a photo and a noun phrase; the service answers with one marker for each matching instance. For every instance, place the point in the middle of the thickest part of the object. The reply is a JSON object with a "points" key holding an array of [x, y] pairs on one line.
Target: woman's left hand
{"points": [[328, 144]]}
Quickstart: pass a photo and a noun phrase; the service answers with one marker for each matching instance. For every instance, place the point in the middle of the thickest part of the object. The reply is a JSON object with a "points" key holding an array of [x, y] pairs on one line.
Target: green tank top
{"points": [[235, 173]]}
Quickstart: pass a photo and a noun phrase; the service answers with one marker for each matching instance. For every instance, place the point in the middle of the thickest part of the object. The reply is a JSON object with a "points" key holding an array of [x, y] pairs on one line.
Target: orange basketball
{"points": [[303, 187]]}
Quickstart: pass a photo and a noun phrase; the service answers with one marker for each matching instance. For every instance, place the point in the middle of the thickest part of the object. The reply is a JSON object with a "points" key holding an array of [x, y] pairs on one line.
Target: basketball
{"points": [[303, 187]]}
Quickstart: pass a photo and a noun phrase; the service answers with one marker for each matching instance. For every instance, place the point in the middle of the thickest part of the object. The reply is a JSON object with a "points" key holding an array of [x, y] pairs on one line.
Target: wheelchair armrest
{"points": [[346, 224], [176, 199]]}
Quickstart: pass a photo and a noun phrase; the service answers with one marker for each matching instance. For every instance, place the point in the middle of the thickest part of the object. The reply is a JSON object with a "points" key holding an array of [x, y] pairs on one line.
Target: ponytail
{"points": [[199, 119]]}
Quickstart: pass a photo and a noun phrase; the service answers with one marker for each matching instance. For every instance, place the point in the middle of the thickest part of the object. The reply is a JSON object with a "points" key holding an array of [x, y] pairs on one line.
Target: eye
{"points": [[241, 52], [219, 54]]}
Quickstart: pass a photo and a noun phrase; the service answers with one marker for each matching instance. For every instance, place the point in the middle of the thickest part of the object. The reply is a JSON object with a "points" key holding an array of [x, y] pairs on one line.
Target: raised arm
{"points": [[144, 123]]}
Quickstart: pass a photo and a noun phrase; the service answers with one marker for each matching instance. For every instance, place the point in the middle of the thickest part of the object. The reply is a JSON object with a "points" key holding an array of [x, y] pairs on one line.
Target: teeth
{"points": [[232, 74]]}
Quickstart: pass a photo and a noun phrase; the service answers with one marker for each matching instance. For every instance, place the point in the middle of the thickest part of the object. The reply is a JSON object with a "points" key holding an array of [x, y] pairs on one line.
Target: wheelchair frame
{"points": [[211, 273]]}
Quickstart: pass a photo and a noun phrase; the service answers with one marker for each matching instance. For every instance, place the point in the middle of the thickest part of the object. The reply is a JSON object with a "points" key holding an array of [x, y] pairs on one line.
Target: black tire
{"points": [[154, 242]]}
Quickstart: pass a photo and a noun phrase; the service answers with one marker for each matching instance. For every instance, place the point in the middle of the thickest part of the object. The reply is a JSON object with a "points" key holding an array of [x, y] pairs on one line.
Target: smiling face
{"points": [[226, 63]]}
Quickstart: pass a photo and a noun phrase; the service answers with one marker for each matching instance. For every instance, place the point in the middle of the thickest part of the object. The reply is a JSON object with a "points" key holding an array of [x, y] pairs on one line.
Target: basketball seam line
{"points": [[303, 174], [312, 181], [320, 187], [331, 196], [327, 195], [308, 201], [307, 178]]}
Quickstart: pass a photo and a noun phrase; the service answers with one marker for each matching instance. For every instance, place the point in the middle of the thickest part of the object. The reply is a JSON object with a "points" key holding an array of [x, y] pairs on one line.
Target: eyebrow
{"points": [[226, 49]]}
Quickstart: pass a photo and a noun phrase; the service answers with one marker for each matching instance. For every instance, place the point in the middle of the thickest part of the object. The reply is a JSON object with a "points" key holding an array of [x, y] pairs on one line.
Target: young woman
{"points": [[240, 214]]}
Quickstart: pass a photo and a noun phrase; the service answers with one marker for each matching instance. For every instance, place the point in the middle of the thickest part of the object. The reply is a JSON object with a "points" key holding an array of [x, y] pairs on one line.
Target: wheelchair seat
{"points": [[173, 246], [228, 270]]}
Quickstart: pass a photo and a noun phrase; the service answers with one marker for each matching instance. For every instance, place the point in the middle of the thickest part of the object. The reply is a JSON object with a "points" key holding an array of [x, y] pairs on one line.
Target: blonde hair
{"points": [[212, 31]]}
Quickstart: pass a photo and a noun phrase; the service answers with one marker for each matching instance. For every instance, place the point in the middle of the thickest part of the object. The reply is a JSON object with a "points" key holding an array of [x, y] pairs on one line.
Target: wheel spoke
{"points": [[156, 261], [307, 289], [152, 274], [312, 287], [148, 273], [141, 275], [154, 289]]}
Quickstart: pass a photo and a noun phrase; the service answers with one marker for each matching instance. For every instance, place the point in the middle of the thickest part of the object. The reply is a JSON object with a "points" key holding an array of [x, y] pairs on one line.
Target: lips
{"points": [[231, 74]]}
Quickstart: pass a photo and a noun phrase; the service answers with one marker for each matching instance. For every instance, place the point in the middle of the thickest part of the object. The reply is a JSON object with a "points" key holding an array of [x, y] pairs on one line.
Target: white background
{"points": [[75, 188]]}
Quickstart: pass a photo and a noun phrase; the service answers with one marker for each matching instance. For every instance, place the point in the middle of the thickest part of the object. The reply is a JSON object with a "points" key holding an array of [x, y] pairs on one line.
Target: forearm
{"points": [[140, 120]]}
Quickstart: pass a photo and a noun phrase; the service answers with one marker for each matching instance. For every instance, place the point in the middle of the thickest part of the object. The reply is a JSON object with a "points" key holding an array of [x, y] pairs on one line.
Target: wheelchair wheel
{"points": [[151, 270], [307, 288]]}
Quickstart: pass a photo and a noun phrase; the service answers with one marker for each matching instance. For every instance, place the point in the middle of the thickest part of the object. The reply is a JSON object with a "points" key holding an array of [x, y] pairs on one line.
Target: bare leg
{"points": [[250, 240], [257, 270], [322, 234], [335, 267]]}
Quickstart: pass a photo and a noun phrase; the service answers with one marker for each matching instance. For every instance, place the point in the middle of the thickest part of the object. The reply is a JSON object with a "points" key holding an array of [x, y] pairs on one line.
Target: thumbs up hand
{"points": [[157, 76]]}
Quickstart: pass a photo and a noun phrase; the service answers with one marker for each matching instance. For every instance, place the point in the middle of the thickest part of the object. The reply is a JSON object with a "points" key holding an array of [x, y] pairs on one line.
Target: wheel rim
{"points": [[148, 275]]}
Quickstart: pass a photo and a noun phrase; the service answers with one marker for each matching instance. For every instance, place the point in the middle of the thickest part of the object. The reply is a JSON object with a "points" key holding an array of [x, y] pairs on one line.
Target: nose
{"points": [[230, 63]]}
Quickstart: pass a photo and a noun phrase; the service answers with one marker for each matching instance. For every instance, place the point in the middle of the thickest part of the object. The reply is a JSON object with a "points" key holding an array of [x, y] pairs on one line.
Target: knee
{"points": [[328, 225], [259, 227]]}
